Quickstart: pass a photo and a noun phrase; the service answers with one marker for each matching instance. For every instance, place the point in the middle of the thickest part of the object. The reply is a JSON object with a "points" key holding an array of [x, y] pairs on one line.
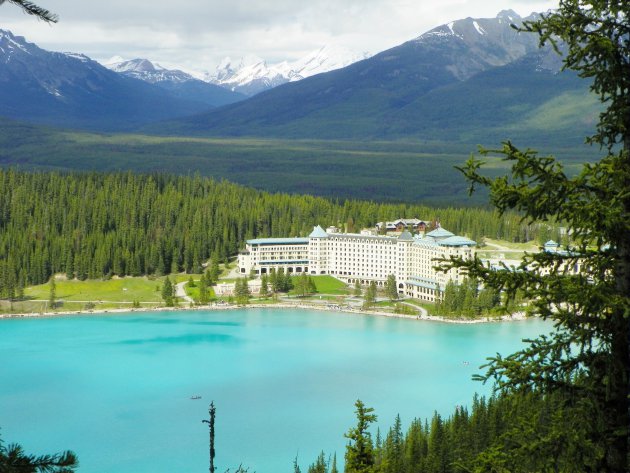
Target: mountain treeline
{"points": [[95, 225]]}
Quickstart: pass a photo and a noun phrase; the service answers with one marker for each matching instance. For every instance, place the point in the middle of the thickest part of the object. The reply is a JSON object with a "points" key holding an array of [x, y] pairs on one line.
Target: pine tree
{"points": [[204, 297], [52, 294], [360, 451], [333, 466], [215, 272], [390, 288], [20, 286], [357, 289], [167, 292], [264, 286], [14, 460], [586, 361], [175, 261], [241, 291], [393, 456], [320, 465], [69, 266], [273, 280], [370, 295], [304, 285], [38, 12], [416, 448], [281, 281]]}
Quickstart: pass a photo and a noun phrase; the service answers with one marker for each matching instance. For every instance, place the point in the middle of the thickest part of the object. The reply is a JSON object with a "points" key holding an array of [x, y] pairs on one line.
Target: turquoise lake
{"points": [[116, 389]]}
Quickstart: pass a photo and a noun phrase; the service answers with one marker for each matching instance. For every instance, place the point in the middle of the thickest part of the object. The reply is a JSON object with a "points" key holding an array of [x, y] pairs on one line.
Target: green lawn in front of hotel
{"points": [[329, 285]]}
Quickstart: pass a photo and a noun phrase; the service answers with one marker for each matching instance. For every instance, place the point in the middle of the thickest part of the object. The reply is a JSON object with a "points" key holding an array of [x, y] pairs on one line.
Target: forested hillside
{"points": [[98, 225], [385, 171]]}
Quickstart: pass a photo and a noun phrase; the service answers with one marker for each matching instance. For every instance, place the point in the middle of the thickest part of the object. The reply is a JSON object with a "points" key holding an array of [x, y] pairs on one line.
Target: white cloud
{"points": [[198, 33]]}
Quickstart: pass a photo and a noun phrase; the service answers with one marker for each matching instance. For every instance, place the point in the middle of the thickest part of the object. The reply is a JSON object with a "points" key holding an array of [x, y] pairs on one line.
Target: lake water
{"points": [[116, 388]]}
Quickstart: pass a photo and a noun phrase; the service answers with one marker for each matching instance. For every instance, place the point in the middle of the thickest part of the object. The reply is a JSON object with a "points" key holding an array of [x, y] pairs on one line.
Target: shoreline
{"points": [[519, 316]]}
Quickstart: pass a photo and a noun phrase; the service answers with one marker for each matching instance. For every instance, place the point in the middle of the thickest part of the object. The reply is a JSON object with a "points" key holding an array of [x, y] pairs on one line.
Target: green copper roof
{"points": [[457, 241], [318, 232], [439, 233]]}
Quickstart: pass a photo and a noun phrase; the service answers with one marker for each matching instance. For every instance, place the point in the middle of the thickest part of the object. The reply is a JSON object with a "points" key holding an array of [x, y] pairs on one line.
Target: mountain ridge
{"points": [[70, 89], [374, 98]]}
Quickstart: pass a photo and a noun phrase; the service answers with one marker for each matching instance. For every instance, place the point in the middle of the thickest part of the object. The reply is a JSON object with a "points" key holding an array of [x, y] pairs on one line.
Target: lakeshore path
{"points": [[181, 292]]}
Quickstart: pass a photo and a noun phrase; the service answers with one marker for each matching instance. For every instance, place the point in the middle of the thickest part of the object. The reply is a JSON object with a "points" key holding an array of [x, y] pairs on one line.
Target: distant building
{"points": [[573, 263], [264, 254], [402, 224], [353, 257]]}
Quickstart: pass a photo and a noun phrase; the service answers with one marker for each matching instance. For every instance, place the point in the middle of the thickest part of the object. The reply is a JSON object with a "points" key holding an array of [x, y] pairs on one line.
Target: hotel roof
{"points": [[440, 233], [278, 241], [457, 241], [405, 236], [422, 282], [318, 232]]}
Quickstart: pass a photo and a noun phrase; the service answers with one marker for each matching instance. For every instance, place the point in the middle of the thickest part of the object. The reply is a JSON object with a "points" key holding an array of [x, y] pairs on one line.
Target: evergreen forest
{"points": [[518, 433], [97, 225]]}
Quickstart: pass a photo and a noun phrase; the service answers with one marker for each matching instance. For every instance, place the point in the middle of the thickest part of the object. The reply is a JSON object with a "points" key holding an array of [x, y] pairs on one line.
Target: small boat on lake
{"points": [[194, 398]]}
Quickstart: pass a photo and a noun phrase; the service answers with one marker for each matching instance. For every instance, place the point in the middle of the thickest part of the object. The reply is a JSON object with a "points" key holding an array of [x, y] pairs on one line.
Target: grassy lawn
{"points": [[385, 304], [531, 246], [141, 289], [424, 304], [504, 255], [175, 278], [194, 291], [228, 280], [329, 285], [506, 249]]}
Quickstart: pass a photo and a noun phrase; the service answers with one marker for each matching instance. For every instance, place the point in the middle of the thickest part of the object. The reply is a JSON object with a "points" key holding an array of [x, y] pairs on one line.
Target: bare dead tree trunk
{"points": [[212, 411]]}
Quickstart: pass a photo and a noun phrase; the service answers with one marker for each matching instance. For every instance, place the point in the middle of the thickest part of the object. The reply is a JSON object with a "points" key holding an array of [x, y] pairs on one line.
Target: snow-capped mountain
{"points": [[248, 75], [489, 42], [251, 74], [70, 89], [179, 83], [147, 71]]}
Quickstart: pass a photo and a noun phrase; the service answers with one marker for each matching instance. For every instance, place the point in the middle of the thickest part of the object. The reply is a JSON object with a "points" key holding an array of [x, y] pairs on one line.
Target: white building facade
{"points": [[365, 258]]}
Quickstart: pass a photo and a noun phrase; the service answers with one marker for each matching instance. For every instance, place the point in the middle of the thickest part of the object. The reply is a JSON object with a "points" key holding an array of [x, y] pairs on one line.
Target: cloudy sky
{"points": [[197, 34]]}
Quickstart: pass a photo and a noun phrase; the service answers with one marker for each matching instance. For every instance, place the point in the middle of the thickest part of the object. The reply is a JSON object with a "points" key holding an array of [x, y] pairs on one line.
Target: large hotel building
{"points": [[363, 257]]}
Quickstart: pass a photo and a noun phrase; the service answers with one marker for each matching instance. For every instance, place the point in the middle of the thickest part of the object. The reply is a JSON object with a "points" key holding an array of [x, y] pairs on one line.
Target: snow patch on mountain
{"points": [[325, 59], [79, 56], [479, 29]]}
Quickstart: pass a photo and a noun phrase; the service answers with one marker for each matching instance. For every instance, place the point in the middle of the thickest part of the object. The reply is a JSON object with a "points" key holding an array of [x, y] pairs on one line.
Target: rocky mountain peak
{"points": [[509, 15], [147, 71]]}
